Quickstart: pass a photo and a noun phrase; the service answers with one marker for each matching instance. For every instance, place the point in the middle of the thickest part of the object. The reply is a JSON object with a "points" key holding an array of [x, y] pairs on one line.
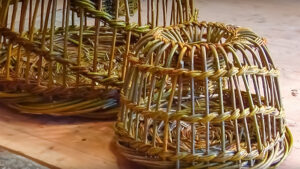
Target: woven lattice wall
{"points": [[202, 95], [70, 61]]}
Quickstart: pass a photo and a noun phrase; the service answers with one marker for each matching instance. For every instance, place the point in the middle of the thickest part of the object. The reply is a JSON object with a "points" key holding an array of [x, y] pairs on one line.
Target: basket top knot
{"points": [[184, 36]]}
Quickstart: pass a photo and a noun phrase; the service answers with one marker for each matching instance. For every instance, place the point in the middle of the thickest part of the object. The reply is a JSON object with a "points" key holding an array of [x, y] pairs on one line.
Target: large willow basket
{"points": [[70, 61], [202, 95]]}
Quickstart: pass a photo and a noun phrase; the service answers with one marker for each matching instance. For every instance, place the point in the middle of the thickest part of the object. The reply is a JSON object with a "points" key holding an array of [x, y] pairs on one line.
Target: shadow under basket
{"points": [[70, 61], [201, 95]]}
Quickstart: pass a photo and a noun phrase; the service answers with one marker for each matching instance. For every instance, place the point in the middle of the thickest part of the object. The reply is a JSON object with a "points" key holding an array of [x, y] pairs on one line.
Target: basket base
{"points": [[273, 157]]}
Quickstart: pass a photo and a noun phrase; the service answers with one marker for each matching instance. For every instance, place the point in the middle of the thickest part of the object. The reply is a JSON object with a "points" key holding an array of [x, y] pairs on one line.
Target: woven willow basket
{"points": [[201, 95], [48, 59]]}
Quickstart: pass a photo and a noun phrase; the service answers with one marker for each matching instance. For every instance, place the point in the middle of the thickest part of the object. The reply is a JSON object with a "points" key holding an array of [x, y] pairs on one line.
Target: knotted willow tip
{"points": [[70, 61], [201, 95]]}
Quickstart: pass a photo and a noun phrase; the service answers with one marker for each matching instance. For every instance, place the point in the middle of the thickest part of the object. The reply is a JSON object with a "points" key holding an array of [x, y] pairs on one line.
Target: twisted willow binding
{"points": [[52, 68], [201, 95]]}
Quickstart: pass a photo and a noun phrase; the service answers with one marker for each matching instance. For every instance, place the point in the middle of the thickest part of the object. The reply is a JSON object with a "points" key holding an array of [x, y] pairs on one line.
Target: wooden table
{"points": [[58, 142]]}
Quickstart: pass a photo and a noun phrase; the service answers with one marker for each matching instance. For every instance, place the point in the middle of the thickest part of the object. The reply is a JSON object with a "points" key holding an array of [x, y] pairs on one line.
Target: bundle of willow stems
{"points": [[72, 61], [202, 95]]}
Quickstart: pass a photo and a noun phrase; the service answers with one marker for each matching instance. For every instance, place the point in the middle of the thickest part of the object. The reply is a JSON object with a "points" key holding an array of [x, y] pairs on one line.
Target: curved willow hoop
{"points": [[202, 95], [74, 67]]}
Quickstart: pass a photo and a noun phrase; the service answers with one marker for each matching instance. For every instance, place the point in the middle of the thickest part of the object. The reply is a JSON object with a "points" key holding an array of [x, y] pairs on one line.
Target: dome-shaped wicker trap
{"points": [[202, 95], [48, 59]]}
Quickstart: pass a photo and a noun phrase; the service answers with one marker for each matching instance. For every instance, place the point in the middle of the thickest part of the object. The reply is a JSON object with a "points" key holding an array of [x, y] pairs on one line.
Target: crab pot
{"points": [[70, 61], [202, 95]]}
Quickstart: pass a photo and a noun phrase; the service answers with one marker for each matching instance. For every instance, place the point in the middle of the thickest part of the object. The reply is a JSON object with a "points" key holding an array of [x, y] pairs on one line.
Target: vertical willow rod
{"points": [[12, 27], [21, 29], [43, 41], [114, 39], [42, 15], [66, 36], [128, 38], [97, 25], [31, 32], [81, 13], [52, 29]]}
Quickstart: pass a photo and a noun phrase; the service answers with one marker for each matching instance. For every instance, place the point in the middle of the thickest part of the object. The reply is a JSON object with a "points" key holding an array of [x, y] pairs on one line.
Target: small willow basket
{"points": [[201, 95], [70, 61]]}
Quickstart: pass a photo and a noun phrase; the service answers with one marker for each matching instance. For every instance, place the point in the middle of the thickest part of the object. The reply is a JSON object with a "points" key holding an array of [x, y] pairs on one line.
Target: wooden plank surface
{"points": [[61, 142]]}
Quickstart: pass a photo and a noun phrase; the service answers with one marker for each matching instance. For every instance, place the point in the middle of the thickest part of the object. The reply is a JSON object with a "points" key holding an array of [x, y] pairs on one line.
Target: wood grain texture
{"points": [[61, 142]]}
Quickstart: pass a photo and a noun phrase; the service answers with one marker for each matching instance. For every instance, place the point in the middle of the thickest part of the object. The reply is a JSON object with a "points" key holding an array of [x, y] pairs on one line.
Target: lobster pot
{"points": [[202, 95], [70, 61]]}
